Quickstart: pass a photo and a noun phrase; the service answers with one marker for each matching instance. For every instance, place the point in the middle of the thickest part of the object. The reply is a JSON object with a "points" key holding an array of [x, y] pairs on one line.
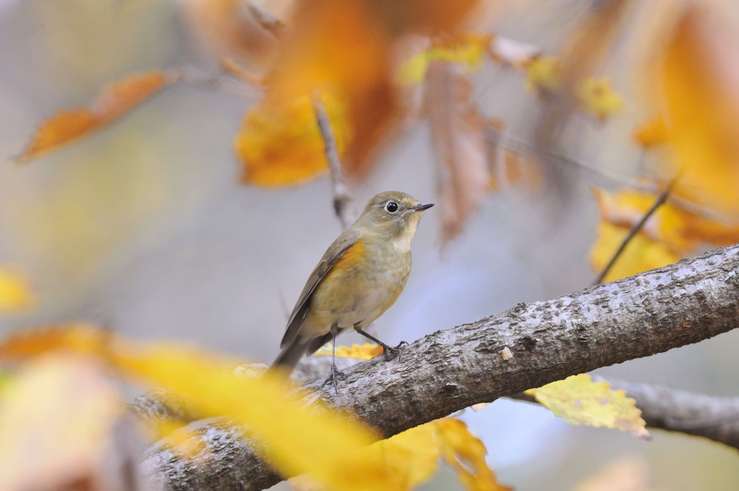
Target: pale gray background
{"points": [[144, 227]]}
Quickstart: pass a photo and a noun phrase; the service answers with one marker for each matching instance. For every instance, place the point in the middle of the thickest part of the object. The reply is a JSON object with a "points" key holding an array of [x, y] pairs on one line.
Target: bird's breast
{"points": [[362, 285]]}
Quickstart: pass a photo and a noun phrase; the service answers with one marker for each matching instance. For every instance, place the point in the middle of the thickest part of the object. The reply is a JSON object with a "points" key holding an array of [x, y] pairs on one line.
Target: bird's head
{"points": [[393, 215]]}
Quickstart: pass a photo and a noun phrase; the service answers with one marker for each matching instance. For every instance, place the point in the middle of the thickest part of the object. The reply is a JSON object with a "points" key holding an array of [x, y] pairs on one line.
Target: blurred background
{"points": [[145, 227]]}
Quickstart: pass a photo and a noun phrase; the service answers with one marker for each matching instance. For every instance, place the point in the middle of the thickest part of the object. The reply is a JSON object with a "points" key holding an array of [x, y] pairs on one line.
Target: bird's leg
{"points": [[388, 350], [334, 372]]}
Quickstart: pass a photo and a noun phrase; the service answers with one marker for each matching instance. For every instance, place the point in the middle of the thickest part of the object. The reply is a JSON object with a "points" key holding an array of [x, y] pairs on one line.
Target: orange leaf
{"points": [[651, 133], [112, 103], [347, 48], [280, 144], [511, 168], [229, 29], [697, 83]]}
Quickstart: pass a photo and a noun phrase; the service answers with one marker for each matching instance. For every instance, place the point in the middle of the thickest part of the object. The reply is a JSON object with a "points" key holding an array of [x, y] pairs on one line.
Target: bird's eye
{"points": [[391, 206]]}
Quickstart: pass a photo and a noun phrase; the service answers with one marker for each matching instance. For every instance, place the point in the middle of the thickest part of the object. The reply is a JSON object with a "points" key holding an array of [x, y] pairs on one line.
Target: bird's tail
{"points": [[293, 352], [289, 356]]}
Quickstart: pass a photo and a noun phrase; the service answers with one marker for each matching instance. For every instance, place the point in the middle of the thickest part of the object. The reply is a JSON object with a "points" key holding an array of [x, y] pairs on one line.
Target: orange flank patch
{"points": [[351, 256]]}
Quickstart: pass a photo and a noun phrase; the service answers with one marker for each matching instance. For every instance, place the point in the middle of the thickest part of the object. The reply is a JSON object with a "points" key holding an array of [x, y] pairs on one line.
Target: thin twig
{"points": [[341, 197], [266, 20], [661, 199]]}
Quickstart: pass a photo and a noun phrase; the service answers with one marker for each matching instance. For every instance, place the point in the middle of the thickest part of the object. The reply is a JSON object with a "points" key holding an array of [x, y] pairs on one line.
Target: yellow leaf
{"points": [[56, 424], [465, 453], [112, 103], [598, 97], [581, 401], [14, 292], [294, 438], [279, 143], [543, 73], [414, 454], [177, 436], [642, 253], [697, 87], [468, 51], [356, 351]]}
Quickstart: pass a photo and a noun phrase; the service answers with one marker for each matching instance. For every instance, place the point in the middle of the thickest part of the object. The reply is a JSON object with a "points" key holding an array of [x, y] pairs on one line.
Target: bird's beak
{"points": [[423, 207]]}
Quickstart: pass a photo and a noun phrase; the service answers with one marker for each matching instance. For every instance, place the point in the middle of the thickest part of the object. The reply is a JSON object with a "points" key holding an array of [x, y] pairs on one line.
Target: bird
{"points": [[358, 278]]}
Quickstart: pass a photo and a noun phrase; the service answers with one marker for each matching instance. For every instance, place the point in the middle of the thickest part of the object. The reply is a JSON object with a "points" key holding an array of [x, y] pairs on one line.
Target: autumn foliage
{"points": [[378, 67]]}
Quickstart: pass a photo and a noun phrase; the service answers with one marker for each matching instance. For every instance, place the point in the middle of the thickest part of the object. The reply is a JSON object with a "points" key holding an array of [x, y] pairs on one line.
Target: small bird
{"points": [[358, 278]]}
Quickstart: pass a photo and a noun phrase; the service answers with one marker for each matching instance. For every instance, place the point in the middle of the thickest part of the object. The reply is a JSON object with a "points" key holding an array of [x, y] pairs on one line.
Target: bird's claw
{"points": [[333, 379], [392, 352]]}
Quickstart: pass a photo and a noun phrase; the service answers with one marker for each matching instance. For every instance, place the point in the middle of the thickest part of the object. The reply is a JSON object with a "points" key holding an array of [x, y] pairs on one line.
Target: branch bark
{"points": [[452, 369], [715, 418], [663, 408]]}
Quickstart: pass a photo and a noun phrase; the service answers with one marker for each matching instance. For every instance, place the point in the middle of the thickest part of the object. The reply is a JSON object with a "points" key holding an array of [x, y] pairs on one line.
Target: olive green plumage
{"points": [[358, 278]]}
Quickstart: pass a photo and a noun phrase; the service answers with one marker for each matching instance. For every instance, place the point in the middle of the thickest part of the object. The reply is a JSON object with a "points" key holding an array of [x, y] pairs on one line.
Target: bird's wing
{"points": [[332, 255]]}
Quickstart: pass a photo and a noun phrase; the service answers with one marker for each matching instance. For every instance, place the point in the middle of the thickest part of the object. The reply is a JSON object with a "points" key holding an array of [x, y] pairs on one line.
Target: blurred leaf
{"points": [[670, 233], [543, 73], [295, 438], [83, 339], [509, 167], [15, 293], [652, 133], [229, 29], [599, 98], [581, 401], [414, 454], [465, 453], [177, 436], [357, 351], [468, 51], [280, 144], [115, 101], [623, 474], [697, 83], [347, 48], [56, 426], [458, 140]]}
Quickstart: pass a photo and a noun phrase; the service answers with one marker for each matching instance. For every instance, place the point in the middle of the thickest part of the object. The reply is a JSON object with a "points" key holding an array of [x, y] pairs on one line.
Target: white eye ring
{"points": [[392, 206]]}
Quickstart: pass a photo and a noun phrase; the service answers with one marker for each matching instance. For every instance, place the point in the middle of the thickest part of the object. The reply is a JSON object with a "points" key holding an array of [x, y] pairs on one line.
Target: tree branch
{"points": [[663, 408], [452, 369], [716, 418], [341, 197]]}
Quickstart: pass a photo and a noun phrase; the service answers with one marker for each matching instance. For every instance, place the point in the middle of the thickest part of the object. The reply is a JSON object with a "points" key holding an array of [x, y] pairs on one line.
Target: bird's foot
{"points": [[333, 379], [392, 352]]}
